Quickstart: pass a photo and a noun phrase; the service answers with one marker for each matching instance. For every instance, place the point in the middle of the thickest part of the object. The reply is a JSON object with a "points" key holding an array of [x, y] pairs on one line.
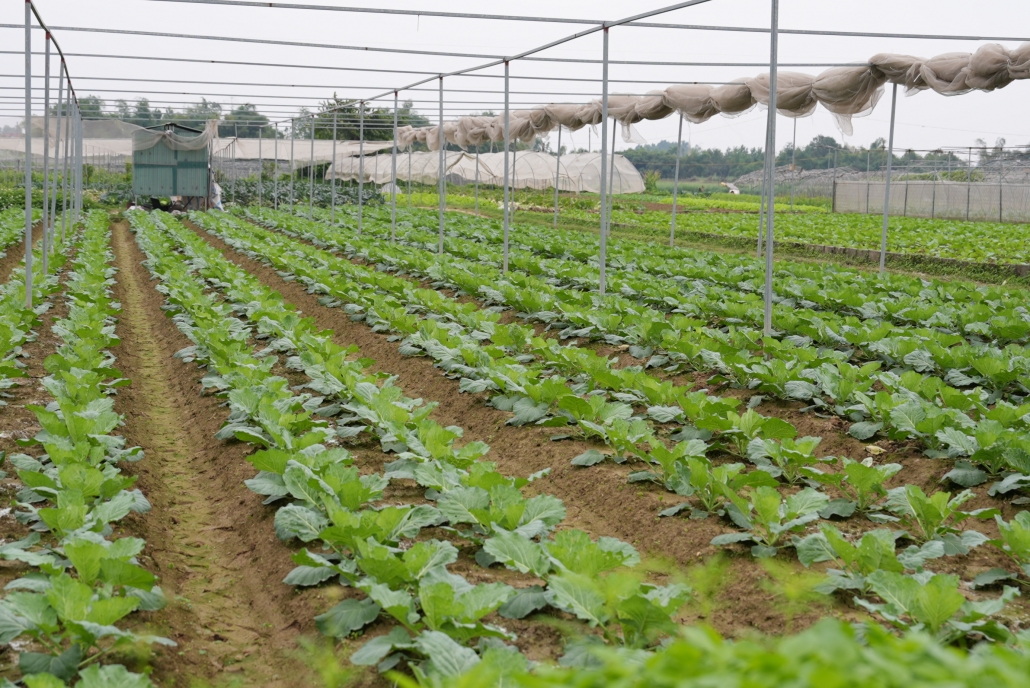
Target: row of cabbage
{"points": [[16, 321], [956, 306], [986, 434], [353, 531], [68, 609], [926, 327], [981, 242], [12, 228], [750, 500]]}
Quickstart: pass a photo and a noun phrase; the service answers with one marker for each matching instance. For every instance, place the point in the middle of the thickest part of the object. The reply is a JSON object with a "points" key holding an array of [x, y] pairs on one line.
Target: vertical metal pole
{"points": [[293, 138], [770, 165], [507, 171], [275, 170], [67, 157], [887, 183], [602, 257], [261, 167], [393, 175], [57, 153], [409, 177], [311, 174], [676, 183], [477, 181], [332, 214], [557, 177], [79, 167], [46, 157], [361, 163], [441, 173], [28, 154], [235, 170]]}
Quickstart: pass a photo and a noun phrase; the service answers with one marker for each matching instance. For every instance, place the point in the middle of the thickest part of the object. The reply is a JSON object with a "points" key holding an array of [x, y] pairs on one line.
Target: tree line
{"points": [[822, 152]]}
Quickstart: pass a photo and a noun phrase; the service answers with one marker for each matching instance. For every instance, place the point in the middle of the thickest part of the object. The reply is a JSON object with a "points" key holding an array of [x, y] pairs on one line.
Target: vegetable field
{"points": [[259, 447]]}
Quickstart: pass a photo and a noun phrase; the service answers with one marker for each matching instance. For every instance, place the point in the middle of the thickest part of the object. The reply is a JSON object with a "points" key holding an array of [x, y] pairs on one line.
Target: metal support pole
{"points": [[361, 164], [235, 143], [67, 157], [477, 182], [602, 257], [275, 170], [57, 153], [28, 154], [409, 177], [80, 166], [676, 183], [770, 165], [261, 167], [557, 177], [311, 174], [293, 138], [393, 175], [507, 170], [46, 157], [887, 184], [441, 172], [332, 214]]}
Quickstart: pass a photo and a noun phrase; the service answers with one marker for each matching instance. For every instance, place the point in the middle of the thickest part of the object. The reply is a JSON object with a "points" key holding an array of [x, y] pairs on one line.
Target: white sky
{"points": [[924, 121]]}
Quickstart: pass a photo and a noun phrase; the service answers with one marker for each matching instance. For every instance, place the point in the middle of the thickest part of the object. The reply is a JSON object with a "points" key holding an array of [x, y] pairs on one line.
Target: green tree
{"points": [[246, 122]]}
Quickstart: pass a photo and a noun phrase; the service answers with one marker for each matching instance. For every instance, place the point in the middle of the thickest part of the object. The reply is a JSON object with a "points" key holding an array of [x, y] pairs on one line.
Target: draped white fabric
{"points": [[846, 92]]}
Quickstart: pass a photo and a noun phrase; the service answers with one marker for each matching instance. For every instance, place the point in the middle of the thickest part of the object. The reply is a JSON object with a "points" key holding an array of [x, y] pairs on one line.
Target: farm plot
{"points": [[980, 242], [452, 471], [624, 436]]}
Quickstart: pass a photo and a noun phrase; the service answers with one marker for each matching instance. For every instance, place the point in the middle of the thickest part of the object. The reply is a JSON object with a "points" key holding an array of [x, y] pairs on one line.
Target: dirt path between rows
{"points": [[15, 253], [598, 499], [208, 537]]}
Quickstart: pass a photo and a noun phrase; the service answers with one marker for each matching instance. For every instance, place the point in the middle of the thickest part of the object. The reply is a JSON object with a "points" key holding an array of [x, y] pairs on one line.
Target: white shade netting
{"points": [[580, 172], [846, 92], [176, 138]]}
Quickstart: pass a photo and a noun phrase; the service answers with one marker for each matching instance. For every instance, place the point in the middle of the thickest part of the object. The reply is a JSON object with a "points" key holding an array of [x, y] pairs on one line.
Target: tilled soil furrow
{"points": [[16, 252], [208, 537], [598, 500]]}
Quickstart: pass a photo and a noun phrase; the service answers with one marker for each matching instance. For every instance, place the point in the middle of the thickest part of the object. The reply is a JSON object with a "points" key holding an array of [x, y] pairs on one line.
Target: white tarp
{"points": [[529, 170]]}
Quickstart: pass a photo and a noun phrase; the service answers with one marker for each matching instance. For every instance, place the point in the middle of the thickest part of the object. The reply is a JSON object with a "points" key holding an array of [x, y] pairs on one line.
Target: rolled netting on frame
{"points": [[846, 92], [579, 172], [170, 136]]}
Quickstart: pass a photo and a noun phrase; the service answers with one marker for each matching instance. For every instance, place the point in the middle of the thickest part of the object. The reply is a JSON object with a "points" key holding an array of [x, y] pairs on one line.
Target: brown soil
{"points": [[15, 253], [209, 538]]}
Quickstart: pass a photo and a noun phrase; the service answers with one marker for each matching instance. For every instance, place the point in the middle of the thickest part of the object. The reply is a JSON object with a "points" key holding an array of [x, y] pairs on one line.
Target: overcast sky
{"points": [[924, 121]]}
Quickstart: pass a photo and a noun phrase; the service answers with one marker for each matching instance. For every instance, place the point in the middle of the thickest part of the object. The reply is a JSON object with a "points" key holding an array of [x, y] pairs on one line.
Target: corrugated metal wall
{"points": [[161, 171]]}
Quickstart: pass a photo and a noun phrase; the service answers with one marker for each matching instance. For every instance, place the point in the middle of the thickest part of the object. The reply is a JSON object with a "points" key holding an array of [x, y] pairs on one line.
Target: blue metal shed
{"points": [[162, 170]]}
